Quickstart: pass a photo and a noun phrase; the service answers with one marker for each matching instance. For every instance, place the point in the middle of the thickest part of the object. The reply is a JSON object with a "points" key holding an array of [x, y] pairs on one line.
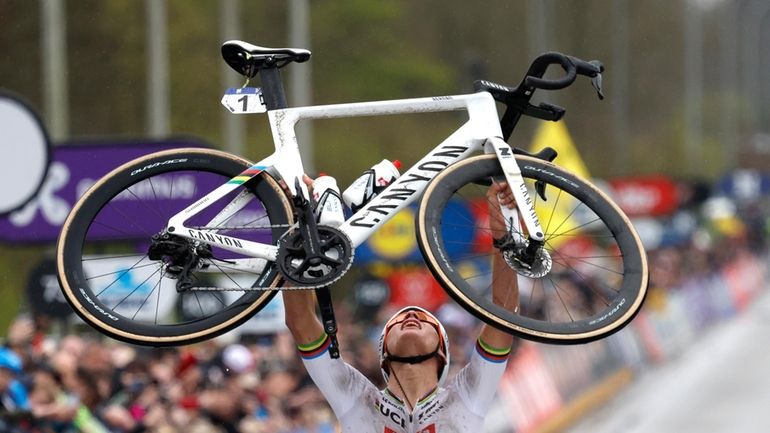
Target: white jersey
{"points": [[459, 407]]}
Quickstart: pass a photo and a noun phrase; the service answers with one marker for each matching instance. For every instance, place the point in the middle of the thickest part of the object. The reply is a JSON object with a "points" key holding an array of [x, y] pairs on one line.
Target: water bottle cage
{"points": [[372, 191], [371, 183], [317, 205], [320, 206]]}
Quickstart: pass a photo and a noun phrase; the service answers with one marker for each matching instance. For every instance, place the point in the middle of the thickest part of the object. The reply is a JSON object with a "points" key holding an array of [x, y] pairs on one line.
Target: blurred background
{"points": [[681, 141]]}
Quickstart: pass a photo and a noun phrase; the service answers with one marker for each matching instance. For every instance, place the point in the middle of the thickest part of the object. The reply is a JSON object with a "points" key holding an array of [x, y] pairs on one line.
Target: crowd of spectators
{"points": [[87, 383]]}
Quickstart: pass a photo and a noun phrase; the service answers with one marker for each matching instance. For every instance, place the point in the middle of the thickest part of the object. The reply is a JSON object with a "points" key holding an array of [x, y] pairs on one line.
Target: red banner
{"points": [[645, 196], [528, 391], [415, 287]]}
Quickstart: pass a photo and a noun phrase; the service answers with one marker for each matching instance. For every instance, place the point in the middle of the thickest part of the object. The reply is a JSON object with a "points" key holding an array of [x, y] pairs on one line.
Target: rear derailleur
{"points": [[179, 257]]}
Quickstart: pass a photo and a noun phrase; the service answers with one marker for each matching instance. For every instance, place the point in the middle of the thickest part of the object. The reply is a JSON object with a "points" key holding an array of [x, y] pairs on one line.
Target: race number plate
{"points": [[244, 100]]}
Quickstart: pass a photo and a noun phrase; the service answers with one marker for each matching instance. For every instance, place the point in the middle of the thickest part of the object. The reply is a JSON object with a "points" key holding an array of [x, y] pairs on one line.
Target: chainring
{"points": [[335, 258]]}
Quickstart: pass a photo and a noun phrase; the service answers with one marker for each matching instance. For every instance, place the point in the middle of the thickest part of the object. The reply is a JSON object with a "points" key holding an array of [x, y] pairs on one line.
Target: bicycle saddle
{"points": [[248, 59]]}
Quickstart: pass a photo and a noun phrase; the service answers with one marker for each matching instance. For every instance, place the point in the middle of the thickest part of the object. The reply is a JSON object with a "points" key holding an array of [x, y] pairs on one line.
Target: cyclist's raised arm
{"points": [[300, 309], [301, 318], [477, 381], [505, 288]]}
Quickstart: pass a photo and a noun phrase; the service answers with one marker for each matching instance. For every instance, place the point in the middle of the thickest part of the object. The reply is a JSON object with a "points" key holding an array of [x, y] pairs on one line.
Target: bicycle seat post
{"points": [[272, 88]]}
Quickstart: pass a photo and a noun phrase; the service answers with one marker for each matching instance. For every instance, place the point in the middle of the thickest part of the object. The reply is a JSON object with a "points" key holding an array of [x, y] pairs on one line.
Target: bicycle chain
{"points": [[259, 289], [242, 227]]}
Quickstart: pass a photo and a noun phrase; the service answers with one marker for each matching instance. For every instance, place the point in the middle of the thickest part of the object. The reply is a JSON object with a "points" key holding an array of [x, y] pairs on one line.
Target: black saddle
{"points": [[248, 59]]}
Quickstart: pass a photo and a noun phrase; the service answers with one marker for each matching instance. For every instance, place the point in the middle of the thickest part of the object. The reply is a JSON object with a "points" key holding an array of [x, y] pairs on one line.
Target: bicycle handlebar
{"points": [[517, 99], [572, 67]]}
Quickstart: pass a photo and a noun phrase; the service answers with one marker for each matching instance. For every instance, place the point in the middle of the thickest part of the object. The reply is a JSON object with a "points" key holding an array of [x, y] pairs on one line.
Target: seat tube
{"points": [[272, 89]]}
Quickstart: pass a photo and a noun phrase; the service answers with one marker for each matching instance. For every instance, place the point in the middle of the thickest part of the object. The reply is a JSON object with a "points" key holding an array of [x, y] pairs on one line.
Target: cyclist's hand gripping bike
{"points": [[221, 234]]}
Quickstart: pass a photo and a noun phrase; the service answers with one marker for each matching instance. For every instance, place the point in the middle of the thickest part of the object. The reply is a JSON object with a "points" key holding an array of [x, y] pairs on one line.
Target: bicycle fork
{"points": [[525, 207]]}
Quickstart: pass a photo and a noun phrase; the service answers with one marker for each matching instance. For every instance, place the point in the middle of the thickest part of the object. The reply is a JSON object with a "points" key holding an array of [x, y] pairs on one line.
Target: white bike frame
{"points": [[481, 131]]}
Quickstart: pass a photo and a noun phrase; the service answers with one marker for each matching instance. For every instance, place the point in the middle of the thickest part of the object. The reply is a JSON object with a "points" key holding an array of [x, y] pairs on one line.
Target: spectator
{"points": [[13, 394]]}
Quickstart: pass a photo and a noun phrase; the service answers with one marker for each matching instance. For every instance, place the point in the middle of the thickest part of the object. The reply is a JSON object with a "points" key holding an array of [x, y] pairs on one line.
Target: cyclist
{"points": [[414, 358]]}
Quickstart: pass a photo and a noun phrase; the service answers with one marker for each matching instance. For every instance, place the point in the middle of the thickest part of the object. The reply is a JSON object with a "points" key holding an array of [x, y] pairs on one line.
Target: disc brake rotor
{"points": [[539, 268]]}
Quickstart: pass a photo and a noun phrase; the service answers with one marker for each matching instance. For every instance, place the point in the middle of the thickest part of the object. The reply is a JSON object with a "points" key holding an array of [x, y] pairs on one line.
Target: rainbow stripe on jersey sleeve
{"points": [[492, 354], [316, 348]]}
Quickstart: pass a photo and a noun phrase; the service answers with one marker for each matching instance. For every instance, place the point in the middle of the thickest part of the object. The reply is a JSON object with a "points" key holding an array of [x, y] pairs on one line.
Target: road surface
{"points": [[721, 384]]}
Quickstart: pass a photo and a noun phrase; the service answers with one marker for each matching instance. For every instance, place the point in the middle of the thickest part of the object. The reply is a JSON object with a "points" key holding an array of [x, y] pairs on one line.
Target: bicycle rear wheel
{"points": [[598, 273], [123, 283]]}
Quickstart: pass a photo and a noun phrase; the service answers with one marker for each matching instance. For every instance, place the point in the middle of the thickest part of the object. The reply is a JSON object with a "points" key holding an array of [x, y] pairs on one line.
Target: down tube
{"points": [[407, 188]]}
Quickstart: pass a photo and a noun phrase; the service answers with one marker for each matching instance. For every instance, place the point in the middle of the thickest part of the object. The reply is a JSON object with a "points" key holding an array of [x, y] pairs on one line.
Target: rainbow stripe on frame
{"points": [[247, 174]]}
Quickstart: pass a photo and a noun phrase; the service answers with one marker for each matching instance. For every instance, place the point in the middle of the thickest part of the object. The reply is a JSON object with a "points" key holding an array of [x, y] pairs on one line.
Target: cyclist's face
{"points": [[411, 333]]}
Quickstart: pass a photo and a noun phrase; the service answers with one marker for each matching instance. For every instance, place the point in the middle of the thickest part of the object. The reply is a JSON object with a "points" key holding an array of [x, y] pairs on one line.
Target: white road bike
{"points": [[214, 256]]}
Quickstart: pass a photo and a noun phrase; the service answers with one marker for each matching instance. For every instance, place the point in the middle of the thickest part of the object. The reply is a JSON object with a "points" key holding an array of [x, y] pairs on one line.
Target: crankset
{"points": [[303, 267], [312, 255]]}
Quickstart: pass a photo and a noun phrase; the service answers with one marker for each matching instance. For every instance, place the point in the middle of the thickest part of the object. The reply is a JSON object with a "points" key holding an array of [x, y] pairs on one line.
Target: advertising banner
{"points": [[645, 196], [395, 241], [74, 168], [744, 185], [415, 287]]}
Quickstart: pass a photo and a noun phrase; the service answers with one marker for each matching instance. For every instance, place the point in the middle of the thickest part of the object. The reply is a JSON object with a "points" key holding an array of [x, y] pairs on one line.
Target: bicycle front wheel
{"points": [[595, 274], [121, 277]]}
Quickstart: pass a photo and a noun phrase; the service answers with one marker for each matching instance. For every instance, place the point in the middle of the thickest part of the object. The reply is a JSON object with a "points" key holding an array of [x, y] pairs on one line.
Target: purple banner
{"points": [[74, 168]]}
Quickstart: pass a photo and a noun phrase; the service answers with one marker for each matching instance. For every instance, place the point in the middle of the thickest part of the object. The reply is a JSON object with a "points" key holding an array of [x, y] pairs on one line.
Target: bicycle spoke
{"points": [[199, 303], [171, 187], [123, 273], [532, 293], [564, 221], [145, 299], [553, 208], [160, 288], [604, 268], [248, 224], [113, 228], [564, 304], [119, 256], [152, 187], [228, 276], [144, 204], [586, 282], [135, 289]]}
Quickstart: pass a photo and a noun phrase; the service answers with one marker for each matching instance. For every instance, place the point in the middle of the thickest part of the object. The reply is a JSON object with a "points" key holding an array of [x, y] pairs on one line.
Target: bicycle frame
{"points": [[481, 131]]}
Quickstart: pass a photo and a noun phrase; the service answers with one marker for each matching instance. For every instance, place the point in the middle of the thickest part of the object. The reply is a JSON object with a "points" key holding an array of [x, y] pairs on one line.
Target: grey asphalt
{"points": [[720, 384]]}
